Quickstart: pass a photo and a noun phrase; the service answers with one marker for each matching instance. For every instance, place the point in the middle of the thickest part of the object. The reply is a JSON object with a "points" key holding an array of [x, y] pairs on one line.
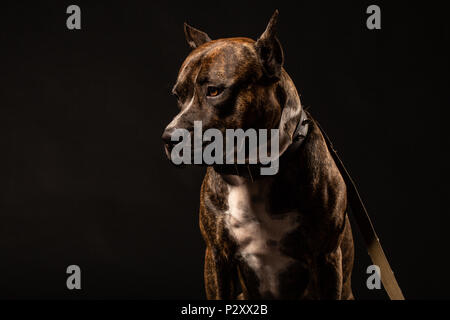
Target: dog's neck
{"points": [[291, 111]]}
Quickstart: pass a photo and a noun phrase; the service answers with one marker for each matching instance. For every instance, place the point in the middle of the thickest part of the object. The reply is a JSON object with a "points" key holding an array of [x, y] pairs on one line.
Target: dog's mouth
{"points": [[194, 153], [167, 150], [196, 156]]}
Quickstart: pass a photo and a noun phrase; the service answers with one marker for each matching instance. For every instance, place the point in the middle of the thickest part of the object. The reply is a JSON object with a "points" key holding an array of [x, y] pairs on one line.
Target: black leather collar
{"points": [[300, 132]]}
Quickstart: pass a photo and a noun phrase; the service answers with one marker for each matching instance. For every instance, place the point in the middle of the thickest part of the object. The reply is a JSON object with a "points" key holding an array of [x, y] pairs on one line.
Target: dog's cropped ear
{"points": [[195, 37], [269, 50]]}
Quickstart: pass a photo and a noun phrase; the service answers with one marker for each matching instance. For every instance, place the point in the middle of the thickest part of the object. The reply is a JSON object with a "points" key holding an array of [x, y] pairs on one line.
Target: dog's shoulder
{"points": [[327, 192]]}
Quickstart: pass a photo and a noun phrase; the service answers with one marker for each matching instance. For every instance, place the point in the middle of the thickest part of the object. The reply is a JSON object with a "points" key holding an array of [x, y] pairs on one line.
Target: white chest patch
{"points": [[258, 234]]}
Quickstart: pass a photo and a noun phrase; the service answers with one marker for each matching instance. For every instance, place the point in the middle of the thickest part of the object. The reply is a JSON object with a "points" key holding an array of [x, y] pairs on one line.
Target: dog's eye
{"points": [[213, 91]]}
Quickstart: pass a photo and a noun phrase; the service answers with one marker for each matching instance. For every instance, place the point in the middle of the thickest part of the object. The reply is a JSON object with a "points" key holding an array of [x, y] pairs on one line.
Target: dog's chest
{"points": [[258, 233]]}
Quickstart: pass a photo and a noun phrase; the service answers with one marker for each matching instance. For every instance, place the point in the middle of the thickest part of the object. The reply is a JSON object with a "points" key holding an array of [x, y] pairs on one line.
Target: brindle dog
{"points": [[285, 236]]}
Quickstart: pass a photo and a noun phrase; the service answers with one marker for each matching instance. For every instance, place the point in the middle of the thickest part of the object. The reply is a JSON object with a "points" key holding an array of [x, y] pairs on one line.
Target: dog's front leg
{"points": [[218, 276], [330, 275]]}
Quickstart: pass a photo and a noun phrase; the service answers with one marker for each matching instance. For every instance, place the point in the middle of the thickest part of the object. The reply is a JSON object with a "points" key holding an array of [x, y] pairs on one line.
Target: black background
{"points": [[83, 176]]}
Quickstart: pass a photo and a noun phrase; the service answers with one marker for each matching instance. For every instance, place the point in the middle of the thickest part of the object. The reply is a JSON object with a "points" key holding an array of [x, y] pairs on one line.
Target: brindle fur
{"points": [[260, 94]]}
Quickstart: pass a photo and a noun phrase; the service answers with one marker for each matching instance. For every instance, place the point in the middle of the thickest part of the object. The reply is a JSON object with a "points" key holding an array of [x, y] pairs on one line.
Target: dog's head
{"points": [[228, 83]]}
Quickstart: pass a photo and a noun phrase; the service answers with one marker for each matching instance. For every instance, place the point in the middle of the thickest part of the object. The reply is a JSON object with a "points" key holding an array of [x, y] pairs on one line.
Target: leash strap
{"points": [[365, 225]]}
